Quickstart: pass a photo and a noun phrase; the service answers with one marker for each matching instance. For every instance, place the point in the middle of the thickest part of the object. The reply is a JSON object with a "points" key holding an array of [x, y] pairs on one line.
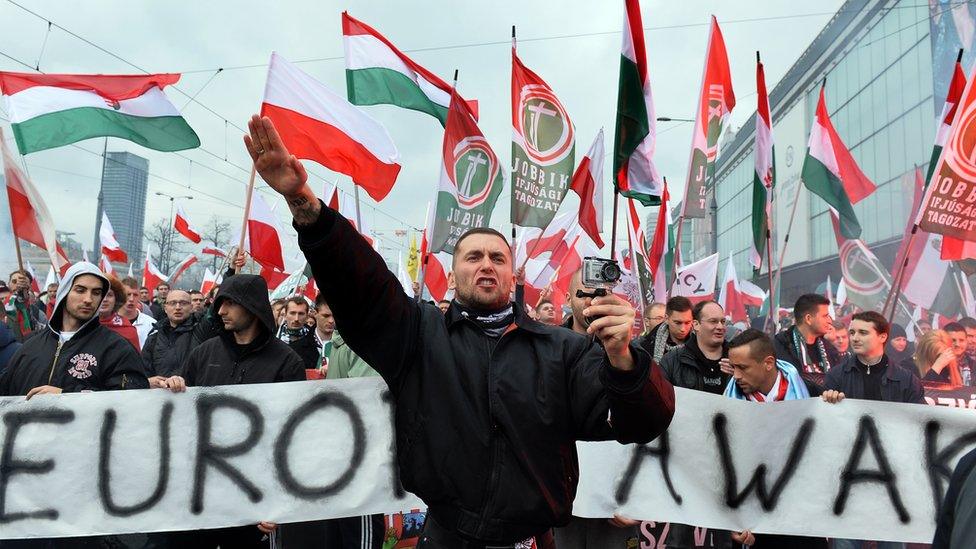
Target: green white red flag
{"points": [[379, 73], [764, 177], [52, 110], [543, 148], [635, 136], [830, 172], [714, 106], [471, 180]]}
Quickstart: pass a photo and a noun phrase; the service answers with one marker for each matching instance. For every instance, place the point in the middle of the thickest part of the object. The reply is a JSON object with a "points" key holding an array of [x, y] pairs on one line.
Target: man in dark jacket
{"points": [[867, 374], [171, 340], [702, 364], [803, 344], [8, 346], [245, 352], [159, 299], [489, 404], [956, 526], [673, 332], [75, 353], [297, 333]]}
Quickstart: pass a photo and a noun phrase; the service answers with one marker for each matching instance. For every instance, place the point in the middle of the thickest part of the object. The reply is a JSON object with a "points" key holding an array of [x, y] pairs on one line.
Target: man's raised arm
{"points": [[376, 318]]}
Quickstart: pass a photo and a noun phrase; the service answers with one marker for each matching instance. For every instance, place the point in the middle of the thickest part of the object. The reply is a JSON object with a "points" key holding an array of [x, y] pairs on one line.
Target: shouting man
{"points": [[489, 403]]}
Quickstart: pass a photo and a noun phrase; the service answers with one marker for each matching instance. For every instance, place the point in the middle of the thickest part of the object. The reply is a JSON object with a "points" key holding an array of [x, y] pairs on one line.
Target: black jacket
{"points": [[683, 368], [167, 347], [486, 429], [308, 349], [221, 361], [783, 343], [897, 385], [95, 358]]}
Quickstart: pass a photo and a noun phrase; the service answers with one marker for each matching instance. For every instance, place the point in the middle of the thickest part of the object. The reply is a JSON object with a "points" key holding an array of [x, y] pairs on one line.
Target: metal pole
{"points": [[613, 229]]}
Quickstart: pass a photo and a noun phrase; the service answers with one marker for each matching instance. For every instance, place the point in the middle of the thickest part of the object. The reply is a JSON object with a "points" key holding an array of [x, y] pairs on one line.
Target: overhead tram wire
{"points": [[178, 89], [376, 209]]}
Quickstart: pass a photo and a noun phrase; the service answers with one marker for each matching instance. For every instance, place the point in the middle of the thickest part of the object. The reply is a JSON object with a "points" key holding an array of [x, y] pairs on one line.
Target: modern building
{"points": [[880, 59], [123, 198]]}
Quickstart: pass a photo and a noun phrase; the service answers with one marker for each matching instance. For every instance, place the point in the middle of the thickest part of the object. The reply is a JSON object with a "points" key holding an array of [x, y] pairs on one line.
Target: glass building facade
{"points": [[123, 198], [877, 59]]}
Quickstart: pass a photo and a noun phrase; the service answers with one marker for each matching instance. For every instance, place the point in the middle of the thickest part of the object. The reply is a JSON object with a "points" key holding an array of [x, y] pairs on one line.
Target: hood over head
{"points": [[67, 282], [251, 292]]}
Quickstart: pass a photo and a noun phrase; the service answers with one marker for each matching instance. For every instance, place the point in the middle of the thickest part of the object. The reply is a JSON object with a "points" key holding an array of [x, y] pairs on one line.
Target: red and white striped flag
{"points": [[263, 234], [111, 249], [316, 124], [152, 276], [34, 283], [585, 184], [657, 255], [213, 250], [181, 268], [105, 265], [209, 281], [29, 216], [183, 226]]}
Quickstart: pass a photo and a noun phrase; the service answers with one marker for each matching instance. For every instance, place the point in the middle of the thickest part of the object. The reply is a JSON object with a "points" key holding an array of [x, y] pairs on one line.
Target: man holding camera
{"points": [[489, 404]]}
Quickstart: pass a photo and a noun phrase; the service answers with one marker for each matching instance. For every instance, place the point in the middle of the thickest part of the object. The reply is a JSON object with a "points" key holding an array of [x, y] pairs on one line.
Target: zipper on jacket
{"points": [[492, 443], [57, 353]]}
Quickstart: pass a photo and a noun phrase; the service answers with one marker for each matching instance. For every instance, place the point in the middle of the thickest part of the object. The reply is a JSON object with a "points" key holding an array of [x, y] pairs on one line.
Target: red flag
{"points": [[273, 276], [152, 276], [730, 297], [111, 249], [209, 282], [584, 184], [263, 239], [183, 226], [181, 267], [435, 274], [214, 251]]}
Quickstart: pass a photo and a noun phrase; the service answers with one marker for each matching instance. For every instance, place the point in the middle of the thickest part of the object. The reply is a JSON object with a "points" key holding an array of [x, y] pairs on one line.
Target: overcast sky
{"points": [[573, 45]]}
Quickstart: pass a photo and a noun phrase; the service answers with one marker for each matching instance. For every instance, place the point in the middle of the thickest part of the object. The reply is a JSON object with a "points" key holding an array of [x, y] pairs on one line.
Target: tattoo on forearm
{"points": [[304, 211]]}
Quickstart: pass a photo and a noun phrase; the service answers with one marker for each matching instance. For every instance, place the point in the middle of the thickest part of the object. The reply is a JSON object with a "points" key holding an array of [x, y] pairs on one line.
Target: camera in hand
{"points": [[600, 276]]}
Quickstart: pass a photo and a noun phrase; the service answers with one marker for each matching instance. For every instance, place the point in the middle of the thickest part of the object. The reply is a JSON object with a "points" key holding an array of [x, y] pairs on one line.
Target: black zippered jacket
{"points": [[94, 359], [220, 361], [486, 429]]}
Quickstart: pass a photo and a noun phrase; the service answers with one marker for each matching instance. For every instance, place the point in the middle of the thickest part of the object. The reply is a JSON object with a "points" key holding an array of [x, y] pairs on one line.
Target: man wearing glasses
{"points": [[703, 363], [171, 340]]}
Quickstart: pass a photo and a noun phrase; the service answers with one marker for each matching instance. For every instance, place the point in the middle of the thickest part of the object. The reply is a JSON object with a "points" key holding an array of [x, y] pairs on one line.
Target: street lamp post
{"points": [[168, 236]]}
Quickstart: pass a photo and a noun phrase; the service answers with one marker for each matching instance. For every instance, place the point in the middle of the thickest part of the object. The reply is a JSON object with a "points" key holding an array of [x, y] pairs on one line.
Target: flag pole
{"points": [[247, 206], [677, 249], [519, 280], [900, 273]]}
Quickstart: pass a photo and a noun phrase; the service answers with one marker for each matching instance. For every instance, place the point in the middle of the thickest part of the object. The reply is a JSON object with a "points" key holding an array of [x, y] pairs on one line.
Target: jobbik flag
{"points": [[52, 110], [949, 207], [715, 103], [543, 148], [471, 180], [635, 135]]}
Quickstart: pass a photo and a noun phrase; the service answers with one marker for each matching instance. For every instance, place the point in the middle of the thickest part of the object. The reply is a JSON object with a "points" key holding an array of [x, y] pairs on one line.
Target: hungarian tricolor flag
{"points": [[952, 248], [29, 216], [152, 276], [52, 110], [543, 148], [379, 73], [585, 184], [635, 136], [111, 249], [183, 226], [471, 180], [764, 177], [181, 268], [316, 124], [263, 235], [830, 172], [715, 103]]}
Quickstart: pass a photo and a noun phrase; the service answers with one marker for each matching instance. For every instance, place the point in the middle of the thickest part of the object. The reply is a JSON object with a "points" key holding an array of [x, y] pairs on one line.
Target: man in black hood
{"points": [[246, 351], [74, 353]]}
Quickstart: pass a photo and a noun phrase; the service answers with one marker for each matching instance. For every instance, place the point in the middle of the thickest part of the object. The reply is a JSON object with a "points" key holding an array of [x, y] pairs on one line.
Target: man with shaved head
{"points": [[171, 340], [489, 403]]}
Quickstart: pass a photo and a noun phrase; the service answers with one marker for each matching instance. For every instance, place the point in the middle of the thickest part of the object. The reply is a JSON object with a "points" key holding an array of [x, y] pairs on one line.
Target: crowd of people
{"points": [[515, 390]]}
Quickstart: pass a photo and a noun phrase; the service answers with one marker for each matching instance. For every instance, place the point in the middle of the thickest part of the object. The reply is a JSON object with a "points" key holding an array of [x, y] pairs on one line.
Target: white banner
{"points": [[144, 461]]}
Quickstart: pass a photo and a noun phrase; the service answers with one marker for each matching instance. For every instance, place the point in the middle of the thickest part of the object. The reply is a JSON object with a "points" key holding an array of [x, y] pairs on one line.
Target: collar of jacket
{"points": [[850, 363], [522, 320]]}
